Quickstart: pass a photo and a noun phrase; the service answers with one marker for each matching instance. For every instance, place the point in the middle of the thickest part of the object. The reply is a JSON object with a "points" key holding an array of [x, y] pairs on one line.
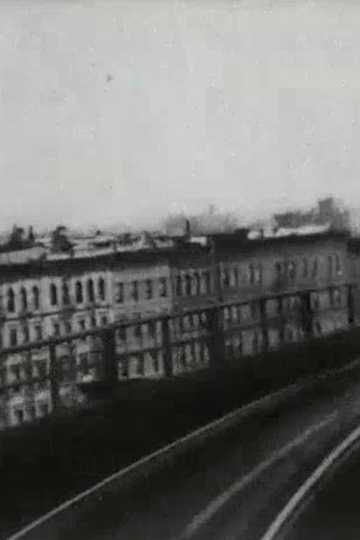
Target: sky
{"points": [[117, 112]]}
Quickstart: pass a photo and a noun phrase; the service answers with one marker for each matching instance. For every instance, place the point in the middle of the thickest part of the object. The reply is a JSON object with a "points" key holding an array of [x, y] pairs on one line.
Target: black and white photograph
{"points": [[180, 269]]}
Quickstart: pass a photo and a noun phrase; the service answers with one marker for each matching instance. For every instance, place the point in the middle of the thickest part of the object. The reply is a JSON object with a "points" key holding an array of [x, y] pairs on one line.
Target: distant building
{"points": [[327, 212]]}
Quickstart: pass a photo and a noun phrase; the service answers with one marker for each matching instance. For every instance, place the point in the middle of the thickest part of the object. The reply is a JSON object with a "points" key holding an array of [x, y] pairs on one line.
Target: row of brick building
{"points": [[61, 295]]}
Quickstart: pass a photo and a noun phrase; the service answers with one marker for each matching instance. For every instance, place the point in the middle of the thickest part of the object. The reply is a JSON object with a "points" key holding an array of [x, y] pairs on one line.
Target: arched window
{"points": [[251, 274], [305, 268], [36, 297], [207, 282], [101, 288], [292, 270], [330, 265], [235, 277], [79, 292], [197, 284], [23, 299], [163, 287], [65, 294], [338, 268], [225, 278], [188, 285], [315, 267], [255, 342], [258, 273], [149, 289], [10, 301], [178, 286], [90, 290], [53, 295]]}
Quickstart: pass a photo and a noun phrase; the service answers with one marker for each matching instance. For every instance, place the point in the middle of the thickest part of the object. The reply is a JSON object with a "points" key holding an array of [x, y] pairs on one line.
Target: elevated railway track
{"points": [[230, 479]]}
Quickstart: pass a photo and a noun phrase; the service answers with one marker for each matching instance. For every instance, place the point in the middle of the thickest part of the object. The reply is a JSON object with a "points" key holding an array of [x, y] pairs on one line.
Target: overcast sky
{"points": [[125, 111]]}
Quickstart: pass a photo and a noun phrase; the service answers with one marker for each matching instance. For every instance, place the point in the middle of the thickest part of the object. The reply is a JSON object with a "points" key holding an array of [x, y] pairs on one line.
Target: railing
{"points": [[41, 377]]}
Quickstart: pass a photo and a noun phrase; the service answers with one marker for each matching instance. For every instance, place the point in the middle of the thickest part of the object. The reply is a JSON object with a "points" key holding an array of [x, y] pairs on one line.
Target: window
{"points": [[196, 320], [258, 274], [235, 277], [43, 409], [82, 325], [90, 290], [278, 269], [330, 265], [229, 350], [13, 337], [3, 375], [197, 284], [148, 289], [36, 297], [188, 321], [315, 268], [188, 285], [255, 342], [135, 291], [104, 320], [16, 372], [338, 264], [318, 327], [41, 369], [305, 268], [32, 412], [182, 358], [68, 328], [122, 333], [79, 292], [123, 368], [93, 321], [19, 415], [152, 328], [101, 289], [207, 281], [137, 330], [155, 362], [225, 278], [251, 274], [53, 295], [10, 301], [38, 332], [56, 329], [84, 363], [26, 335], [331, 297], [316, 301], [163, 287], [289, 334], [65, 294], [23, 299], [240, 346], [140, 366], [254, 310], [292, 270], [119, 292], [178, 285], [181, 325], [337, 297]]}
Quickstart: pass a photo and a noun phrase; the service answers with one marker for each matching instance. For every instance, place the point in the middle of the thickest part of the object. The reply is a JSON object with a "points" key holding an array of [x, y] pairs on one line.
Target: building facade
{"points": [[61, 295]]}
